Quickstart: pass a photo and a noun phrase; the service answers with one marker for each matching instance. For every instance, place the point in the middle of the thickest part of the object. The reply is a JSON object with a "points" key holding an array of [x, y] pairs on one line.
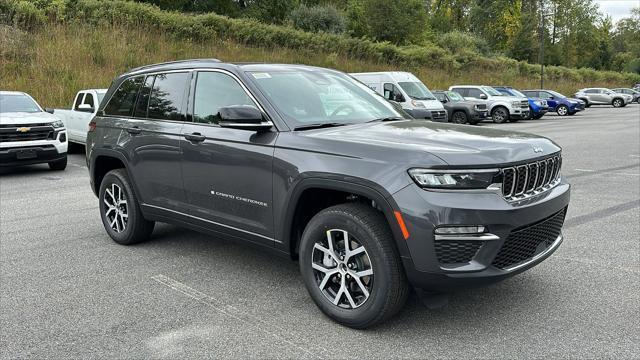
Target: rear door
{"points": [[227, 172]]}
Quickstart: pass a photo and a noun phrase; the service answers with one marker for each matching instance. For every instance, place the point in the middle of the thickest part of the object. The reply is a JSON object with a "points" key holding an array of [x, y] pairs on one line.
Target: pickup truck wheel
{"points": [[617, 103], [351, 267], [120, 211], [500, 115], [58, 165], [562, 110], [459, 117]]}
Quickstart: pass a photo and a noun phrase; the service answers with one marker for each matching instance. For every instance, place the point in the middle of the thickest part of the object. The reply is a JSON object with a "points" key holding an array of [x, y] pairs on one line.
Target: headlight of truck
{"points": [[57, 124], [453, 179], [515, 103], [417, 103]]}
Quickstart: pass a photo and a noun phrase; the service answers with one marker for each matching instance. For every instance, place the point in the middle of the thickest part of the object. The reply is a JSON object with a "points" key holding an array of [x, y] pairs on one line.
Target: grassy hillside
{"points": [[54, 55]]}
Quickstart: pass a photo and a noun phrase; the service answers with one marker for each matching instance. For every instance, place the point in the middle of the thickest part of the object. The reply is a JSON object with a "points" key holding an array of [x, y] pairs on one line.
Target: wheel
{"points": [[459, 117], [562, 110], [617, 103], [351, 267], [500, 115], [120, 210], [58, 165]]}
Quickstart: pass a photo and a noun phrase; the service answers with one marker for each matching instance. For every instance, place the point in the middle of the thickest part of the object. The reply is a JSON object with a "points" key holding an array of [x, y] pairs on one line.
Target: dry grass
{"points": [[53, 63]]}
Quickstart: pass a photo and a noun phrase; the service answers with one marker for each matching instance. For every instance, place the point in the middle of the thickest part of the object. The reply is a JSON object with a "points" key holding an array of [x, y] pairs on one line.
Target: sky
{"points": [[617, 9]]}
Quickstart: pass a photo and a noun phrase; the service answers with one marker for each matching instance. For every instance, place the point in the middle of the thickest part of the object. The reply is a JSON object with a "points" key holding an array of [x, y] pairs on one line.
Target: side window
{"points": [[78, 101], [143, 98], [391, 92], [592, 91], [542, 95], [474, 93], [88, 100], [167, 95], [461, 91], [213, 91], [123, 100]]}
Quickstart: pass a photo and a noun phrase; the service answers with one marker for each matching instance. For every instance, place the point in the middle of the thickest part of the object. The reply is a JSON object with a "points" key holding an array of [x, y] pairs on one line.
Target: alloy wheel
{"points": [[342, 269], [499, 116], [459, 118], [562, 110], [617, 103], [116, 211]]}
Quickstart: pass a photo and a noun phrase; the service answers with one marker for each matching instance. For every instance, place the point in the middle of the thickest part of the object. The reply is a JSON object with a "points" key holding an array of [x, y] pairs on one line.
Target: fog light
{"points": [[63, 137], [452, 230]]}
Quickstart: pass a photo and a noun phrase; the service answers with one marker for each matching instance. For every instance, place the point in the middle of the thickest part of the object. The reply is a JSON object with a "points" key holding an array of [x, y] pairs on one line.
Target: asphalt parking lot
{"points": [[67, 290]]}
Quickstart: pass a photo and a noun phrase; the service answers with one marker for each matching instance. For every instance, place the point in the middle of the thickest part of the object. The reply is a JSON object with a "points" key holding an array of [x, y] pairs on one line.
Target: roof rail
{"points": [[173, 62]]}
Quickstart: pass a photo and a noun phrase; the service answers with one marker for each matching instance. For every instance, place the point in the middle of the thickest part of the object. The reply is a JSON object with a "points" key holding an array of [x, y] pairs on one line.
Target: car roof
{"points": [[13, 93]]}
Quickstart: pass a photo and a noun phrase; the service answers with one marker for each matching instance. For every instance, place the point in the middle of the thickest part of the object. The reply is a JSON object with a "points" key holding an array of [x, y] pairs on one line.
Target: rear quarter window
{"points": [[123, 99]]}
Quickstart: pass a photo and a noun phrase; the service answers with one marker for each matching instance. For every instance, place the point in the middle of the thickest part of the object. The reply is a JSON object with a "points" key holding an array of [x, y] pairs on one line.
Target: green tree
{"points": [[399, 22]]}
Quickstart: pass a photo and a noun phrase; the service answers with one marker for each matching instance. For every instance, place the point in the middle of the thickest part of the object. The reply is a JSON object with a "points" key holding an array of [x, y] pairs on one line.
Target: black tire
{"points": [[500, 114], [562, 110], [617, 103], [459, 117], [369, 228], [58, 165], [136, 228]]}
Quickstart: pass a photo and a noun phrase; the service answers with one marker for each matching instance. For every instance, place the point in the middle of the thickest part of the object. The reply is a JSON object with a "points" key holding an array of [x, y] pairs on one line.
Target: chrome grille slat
{"points": [[529, 179]]}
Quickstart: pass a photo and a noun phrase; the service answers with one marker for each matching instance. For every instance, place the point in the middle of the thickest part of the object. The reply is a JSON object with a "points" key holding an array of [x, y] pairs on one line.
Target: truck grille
{"points": [[524, 104], [525, 243], [30, 132], [526, 180], [438, 115], [452, 252]]}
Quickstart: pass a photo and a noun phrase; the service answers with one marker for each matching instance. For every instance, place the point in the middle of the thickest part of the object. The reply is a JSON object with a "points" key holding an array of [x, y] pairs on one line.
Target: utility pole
{"points": [[542, 47]]}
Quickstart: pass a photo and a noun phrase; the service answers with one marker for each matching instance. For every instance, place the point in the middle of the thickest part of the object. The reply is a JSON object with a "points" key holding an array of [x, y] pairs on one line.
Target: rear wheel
{"points": [[562, 110], [120, 210], [351, 267], [58, 165], [459, 117], [617, 103], [500, 115]]}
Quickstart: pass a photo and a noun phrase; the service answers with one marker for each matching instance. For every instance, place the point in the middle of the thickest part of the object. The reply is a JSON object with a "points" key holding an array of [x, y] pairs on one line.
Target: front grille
{"points": [[34, 132], [453, 252], [526, 180], [524, 104], [525, 243]]}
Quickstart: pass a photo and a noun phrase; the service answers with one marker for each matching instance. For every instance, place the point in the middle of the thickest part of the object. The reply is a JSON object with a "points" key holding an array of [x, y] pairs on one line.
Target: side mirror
{"points": [[551, 97], [483, 96], [243, 117], [444, 101], [85, 108], [49, 110]]}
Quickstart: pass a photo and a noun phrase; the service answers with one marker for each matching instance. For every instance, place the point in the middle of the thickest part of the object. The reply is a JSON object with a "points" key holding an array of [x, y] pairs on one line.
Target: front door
{"points": [[227, 173]]}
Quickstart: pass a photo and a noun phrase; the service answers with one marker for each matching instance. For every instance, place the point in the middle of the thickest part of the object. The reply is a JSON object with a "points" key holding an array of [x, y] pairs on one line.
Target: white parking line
{"points": [[241, 316], [635, 156], [584, 170]]}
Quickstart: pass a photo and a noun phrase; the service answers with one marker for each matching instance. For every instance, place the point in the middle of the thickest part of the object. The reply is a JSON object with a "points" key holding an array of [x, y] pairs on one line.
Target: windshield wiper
{"points": [[385, 119], [319, 126]]}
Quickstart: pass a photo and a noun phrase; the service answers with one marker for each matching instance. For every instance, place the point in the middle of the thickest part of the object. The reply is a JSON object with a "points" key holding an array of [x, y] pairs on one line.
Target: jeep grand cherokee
{"points": [[368, 200]]}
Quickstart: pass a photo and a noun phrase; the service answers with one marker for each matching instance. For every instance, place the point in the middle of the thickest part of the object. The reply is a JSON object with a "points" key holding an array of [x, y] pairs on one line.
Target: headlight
{"points": [[417, 103], [477, 107], [515, 103], [454, 179], [57, 124], [538, 102]]}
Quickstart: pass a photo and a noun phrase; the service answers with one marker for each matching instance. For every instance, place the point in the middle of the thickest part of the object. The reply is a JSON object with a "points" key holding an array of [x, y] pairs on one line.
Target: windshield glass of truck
{"points": [[417, 90], [316, 97], [491, 91], [17, 103]]}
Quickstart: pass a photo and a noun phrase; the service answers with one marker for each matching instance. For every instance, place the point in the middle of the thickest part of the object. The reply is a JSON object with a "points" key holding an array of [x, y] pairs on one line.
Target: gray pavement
{"points": [[68, 291]]}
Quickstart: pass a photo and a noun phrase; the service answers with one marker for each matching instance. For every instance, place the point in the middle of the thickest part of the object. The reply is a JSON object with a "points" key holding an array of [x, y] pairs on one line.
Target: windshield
{"points": [[417, 90], [305, 97], [18, 103], [454, 96], [491, 91], [518, 93], [556, 94]]}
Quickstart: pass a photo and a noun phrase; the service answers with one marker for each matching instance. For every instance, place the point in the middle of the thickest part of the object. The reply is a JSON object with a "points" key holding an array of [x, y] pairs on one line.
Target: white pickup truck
{"points": [[83, 109]]}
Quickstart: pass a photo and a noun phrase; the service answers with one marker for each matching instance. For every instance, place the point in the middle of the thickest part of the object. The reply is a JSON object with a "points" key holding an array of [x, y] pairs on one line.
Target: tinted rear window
{"points": [[167, 96], [122, 101]]}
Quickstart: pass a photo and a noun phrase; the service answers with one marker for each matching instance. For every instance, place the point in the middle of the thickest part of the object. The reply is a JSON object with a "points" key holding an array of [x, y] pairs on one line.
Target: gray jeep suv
{"points": [[311, 164]]}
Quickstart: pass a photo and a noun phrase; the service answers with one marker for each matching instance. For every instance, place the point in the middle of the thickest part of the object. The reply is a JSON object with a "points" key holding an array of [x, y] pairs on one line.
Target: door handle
{"points": [[134, 130], [195, 137]]}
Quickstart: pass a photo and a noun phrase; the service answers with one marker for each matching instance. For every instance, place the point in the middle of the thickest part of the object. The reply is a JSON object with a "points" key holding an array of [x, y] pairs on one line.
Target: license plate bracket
{"points": [[26, 154]]}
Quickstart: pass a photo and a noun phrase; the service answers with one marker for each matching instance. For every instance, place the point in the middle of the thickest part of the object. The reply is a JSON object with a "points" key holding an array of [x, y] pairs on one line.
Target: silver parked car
{"points": [[603, 96], [634, 93]]}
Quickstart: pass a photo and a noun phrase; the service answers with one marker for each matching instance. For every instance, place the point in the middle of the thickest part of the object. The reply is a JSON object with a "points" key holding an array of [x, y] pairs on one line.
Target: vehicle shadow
{"points": [[15, 171]]}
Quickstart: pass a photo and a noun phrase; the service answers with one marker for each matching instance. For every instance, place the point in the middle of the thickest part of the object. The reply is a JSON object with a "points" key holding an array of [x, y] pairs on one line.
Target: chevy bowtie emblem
{"points": [[23, 129], [537, 149]]}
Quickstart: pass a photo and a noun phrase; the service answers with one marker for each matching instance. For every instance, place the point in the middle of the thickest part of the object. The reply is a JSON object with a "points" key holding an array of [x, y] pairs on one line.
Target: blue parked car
{"points": [[537, 107], [559, 103]]}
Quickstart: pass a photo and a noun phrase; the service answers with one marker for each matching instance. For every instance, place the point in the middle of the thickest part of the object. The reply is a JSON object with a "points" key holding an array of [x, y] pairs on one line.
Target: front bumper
{"points": [[519, 113], [423, 211], [18, 153], [480, 114]]}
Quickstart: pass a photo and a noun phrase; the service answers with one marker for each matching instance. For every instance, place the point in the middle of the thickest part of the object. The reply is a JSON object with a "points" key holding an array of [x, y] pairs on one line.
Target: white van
{"points": [[407, 90]]}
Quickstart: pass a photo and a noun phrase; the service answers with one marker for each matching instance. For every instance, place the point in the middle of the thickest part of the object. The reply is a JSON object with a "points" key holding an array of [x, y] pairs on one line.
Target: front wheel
{"points": [[562, 110], [617, 103], [351, 267], [459, 117], [500, 115], [120, 210]]}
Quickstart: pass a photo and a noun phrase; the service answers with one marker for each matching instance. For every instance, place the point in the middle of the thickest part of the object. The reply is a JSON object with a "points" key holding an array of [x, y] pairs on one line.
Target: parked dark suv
{"points": [[312, 164]]}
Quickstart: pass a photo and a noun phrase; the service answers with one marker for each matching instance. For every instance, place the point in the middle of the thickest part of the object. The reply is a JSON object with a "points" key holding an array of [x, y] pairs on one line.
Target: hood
{"points": [[456, 145], [508, 98], [431, 104], [573, 100], [24, 118]]}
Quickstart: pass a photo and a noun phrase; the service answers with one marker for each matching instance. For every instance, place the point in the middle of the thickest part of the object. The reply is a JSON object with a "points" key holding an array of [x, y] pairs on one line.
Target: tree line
{"points": [[575, 33]]}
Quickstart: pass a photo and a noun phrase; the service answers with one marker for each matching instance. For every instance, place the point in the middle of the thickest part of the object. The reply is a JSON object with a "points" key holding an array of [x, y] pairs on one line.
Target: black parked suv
{"points": [[312, 164]]}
